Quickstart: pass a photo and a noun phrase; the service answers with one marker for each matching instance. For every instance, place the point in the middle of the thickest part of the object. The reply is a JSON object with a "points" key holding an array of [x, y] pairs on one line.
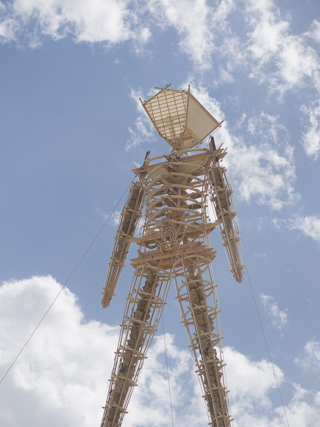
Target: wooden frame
{"points": [[175, 191]]}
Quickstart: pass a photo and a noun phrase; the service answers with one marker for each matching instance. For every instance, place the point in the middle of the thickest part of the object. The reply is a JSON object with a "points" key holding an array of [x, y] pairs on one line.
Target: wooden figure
{"points": [[183, 196]]}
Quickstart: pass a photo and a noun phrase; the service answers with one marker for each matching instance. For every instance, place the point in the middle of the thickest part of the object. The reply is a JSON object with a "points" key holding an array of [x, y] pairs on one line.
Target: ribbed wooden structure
{"points": [[185, 195]]}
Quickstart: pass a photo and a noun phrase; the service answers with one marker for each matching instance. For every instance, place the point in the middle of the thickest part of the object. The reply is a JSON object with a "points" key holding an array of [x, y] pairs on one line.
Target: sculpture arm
{"points": [[225, 211], [127, 226]]}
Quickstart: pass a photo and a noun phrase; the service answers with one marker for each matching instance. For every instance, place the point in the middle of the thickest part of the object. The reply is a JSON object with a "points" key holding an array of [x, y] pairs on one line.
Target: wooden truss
{"points": [[185, 196]]}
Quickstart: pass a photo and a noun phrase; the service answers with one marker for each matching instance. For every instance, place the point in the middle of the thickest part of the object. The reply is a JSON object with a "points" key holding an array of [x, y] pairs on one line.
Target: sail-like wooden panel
{"points": [[200, 123]]}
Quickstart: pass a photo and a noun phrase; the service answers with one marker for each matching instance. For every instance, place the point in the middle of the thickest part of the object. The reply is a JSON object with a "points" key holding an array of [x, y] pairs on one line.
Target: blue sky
{"points": [[71, 130]]}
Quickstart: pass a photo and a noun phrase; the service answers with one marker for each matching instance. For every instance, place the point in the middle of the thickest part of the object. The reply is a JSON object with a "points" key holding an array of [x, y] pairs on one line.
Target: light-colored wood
{"points": [[224, 207], [144, 307], [200, 319], [179, 192], [179, 118], [127, 226]]}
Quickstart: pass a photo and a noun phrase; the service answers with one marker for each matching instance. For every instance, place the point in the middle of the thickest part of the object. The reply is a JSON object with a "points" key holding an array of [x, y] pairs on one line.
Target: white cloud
{"points": [[8, 26], [250, 385], [197, 24], [259, 255], [268, 128], [268, 29], [261, 164], [311, 136], [115, 21], [281, 59], [95, 21], [249, 381], [309, 225], [143, 129], [141, 132], [279, 317], [263, 171], [296, 62], [304, 408], [64, 367], [190, 19], [310, 361], [61, 377], [314, 31], [240, 122]]}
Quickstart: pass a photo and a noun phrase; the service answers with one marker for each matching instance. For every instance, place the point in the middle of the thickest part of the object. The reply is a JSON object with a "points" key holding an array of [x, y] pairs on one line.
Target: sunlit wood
{"points": [[184, 197]]}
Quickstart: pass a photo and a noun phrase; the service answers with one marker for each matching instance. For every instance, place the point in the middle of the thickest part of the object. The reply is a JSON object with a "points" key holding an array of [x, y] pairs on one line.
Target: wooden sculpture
{"points": [[183, 197]]}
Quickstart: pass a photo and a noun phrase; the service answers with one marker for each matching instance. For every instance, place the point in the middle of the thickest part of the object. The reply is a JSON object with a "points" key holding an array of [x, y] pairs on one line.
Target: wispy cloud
{"points": [[309, 225], [263, 171], [267, 128], [261, 163], [314, 31], [311, 359], [279, 318], [282, 60], [311, 125], [199, 27], [141, 132], [260, 255], [143, 129]]}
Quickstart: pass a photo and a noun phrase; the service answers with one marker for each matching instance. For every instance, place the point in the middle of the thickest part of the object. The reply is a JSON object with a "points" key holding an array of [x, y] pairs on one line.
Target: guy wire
{"points": [[63, 287]]}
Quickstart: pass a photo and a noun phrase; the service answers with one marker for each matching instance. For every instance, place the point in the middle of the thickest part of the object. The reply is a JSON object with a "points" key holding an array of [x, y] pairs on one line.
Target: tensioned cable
{"points": [[266, 343], [64, 285], [165, 350], [265, 340]]}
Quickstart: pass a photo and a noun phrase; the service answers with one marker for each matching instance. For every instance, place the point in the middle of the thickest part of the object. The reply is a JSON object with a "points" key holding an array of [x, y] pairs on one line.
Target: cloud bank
{"points": [[61, 377]]}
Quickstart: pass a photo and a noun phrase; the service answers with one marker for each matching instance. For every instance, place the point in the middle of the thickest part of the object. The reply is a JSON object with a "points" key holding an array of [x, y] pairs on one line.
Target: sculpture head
{"points": [[179, 118]]}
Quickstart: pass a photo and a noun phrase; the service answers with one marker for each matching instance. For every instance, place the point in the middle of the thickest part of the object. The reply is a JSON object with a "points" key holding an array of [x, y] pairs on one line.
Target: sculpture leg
{"points": [[200, 318], [143, 311]]}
